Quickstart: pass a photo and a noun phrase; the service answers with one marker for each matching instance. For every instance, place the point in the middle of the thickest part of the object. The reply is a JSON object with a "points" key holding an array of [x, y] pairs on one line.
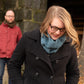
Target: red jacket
{"points": [[9, 38]]}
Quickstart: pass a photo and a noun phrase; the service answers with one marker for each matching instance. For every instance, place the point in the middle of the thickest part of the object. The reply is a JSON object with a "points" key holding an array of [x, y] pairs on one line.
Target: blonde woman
{"points": [[48, 53]]}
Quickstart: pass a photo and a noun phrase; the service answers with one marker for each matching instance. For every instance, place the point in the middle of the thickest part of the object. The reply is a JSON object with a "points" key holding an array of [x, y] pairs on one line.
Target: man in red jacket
{"points": [[10, 34]]}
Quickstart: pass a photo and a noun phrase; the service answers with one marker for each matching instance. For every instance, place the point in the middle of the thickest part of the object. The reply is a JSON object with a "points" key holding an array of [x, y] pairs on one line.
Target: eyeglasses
{"points": [[54, 28], [10, 16]]}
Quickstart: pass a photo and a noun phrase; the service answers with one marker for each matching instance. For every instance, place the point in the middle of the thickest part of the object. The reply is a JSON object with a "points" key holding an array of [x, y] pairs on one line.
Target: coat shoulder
{"points": [[32, 34]]}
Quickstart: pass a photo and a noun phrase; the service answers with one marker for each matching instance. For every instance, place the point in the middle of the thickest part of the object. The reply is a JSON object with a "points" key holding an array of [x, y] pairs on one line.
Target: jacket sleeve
{"points": [[72, 71], [14, 64]]}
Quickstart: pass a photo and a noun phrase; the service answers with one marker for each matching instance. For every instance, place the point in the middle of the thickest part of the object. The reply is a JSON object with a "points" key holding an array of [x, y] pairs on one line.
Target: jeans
{"points": [[3, 61]]}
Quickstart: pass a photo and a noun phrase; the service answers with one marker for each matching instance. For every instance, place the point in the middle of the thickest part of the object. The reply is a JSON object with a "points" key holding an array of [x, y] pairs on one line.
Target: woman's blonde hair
{"points": [[65, 17]]}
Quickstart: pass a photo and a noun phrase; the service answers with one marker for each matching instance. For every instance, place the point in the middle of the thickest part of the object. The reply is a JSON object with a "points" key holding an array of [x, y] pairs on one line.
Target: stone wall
{"points": [[29, 13], [1, 10]]}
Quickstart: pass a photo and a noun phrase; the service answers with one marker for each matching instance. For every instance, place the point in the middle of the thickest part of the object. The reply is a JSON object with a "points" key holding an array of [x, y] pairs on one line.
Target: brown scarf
{"points": [[11, 25]]}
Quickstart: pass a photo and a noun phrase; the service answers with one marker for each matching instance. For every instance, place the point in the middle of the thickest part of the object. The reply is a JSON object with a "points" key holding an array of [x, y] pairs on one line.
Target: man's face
{"points": [[9, 17]]}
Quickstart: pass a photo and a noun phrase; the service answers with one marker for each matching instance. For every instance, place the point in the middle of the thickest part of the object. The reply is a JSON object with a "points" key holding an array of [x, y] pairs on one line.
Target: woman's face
{"points": [[56, 29]]}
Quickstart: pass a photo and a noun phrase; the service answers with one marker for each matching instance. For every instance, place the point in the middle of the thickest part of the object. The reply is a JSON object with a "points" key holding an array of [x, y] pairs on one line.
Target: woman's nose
{"points": [[58, 32]]}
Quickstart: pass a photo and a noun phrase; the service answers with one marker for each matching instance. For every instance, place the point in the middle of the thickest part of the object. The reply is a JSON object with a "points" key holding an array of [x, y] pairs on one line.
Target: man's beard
{"points": [[11, 25]]}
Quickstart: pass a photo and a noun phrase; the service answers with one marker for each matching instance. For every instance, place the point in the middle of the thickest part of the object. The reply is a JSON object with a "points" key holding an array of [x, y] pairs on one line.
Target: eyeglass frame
{"points": [[56, 28], [10, 16]]}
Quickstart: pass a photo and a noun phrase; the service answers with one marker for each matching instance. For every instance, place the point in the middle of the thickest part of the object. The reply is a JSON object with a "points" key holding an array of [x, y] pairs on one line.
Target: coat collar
{"points": [[35, 34], [4, 24], [38, 51], [8, 26]]}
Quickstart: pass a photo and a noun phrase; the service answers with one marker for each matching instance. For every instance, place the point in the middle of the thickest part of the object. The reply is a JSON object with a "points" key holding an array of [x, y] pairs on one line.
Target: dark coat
{"points": [[41, 67]]}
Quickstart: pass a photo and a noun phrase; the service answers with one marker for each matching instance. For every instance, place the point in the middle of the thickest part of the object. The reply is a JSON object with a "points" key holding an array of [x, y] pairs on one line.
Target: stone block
{"points": [[43, 5], [28, 26], [21, 25], [39, 4], [38, 16], [1, 4], [19, 14], [1, 15], [10, 4], [36, 4], [28, 14], [21, 3], [28, 3]]}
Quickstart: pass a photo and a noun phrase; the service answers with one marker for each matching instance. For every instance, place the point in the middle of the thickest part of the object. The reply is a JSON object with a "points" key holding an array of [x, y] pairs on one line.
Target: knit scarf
{"points": [[11, 25], [50, 45]]}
